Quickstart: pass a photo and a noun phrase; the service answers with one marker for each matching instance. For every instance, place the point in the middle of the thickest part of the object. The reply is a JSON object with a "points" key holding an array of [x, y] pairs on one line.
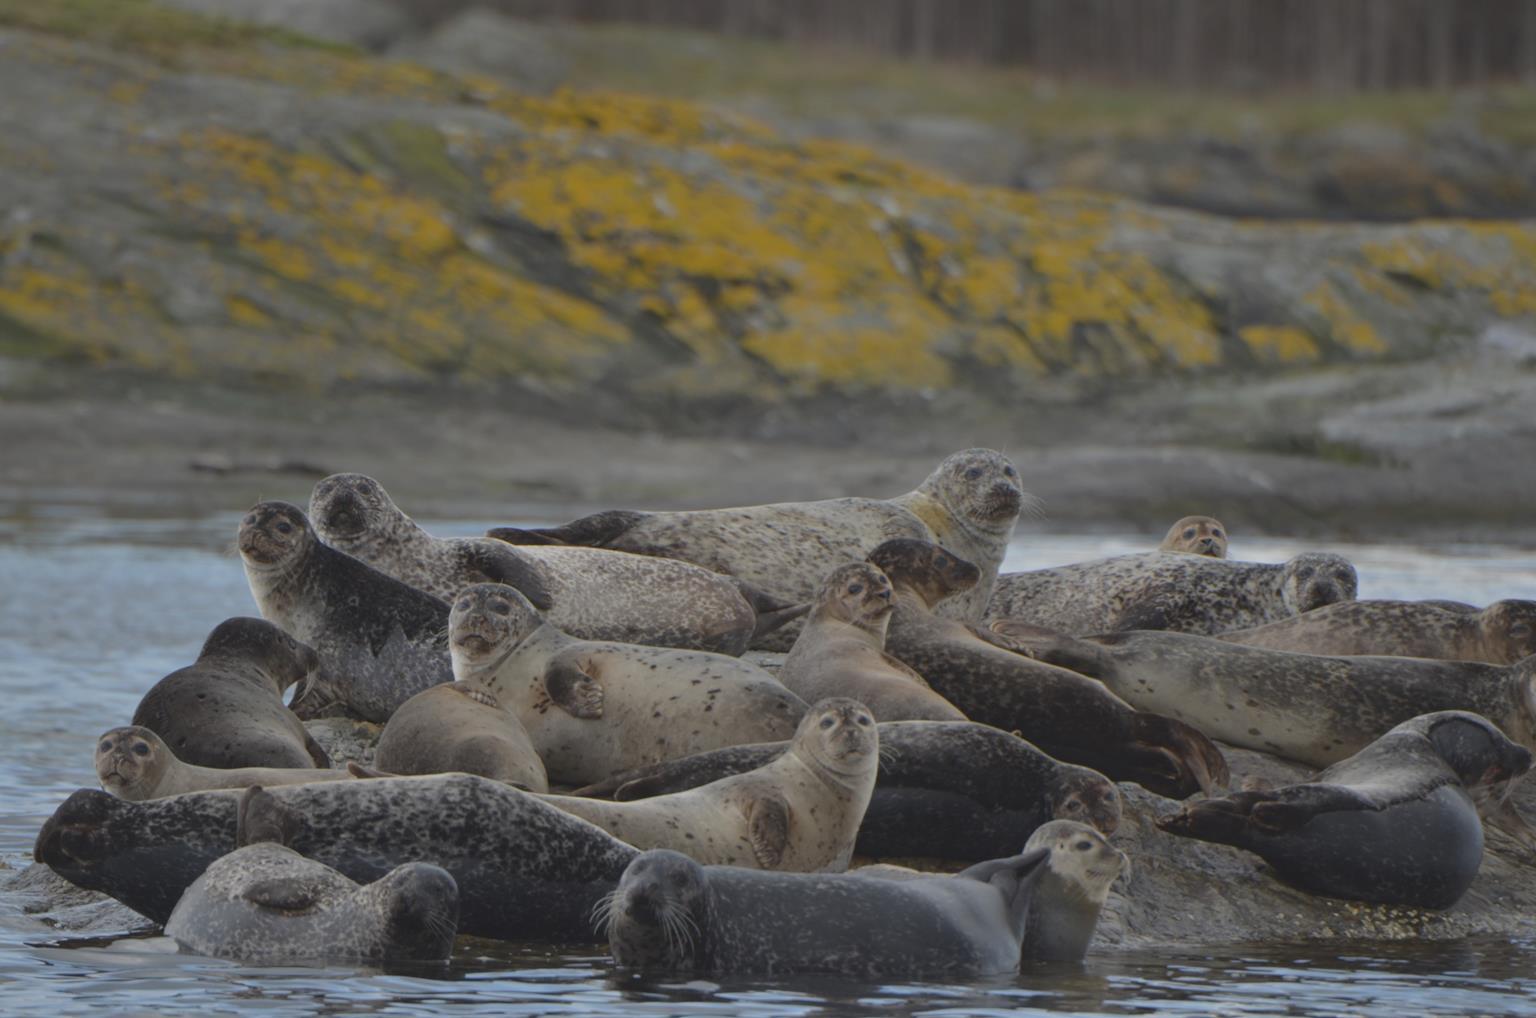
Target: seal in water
{"points": [[1167, 590], [227, 709], [669, 914], [265, 904], [1397, 823], [1313, 709], [841, 652], [945, 789], [1501, 634], [460, 726], [595, 708], [1197, 535], [134, 764], [1068, 716], [969, 505], [799, 812], [1071, 893], [525, 870], [380, 641], [593, 594]]}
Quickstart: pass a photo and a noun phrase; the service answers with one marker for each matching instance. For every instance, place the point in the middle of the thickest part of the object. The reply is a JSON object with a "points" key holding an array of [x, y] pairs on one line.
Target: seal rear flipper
{"points": [[685, 772], [1223, 821], [1195, 756], [502, 565], [1015, 878], [768, 829], [595, 531], [572, 689], [357, 770], [1051, 647], [295, 893], [263, 818], [316, 751]]}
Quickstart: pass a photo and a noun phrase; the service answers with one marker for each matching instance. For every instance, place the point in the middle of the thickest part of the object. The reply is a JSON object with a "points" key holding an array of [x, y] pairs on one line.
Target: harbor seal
{"points": [[594, 708], [380, 641], [227, 710], [1071, 892], [1197, 535], [460, 726], [799, 812], [1168, 590], [1396, 823], [1070, 717], [969, 504], [1501, 634], [133, 763], [672, 915], [265, 904], [841, 652], [1312, 709], [944, 790], [525, 870], [592, 593]]}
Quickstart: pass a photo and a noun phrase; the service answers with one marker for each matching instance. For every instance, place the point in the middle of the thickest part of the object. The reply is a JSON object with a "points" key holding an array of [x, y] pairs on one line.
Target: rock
{"points": [[481, 41], [372, 24], [345, 739]]}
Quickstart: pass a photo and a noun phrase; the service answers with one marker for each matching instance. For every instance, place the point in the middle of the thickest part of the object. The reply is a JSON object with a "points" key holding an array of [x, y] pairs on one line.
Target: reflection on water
{"points": [[92, 611]]}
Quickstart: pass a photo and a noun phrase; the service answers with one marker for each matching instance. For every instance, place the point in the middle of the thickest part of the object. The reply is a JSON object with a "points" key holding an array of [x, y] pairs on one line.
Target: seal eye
{"points": [[1083, 846], [827, 722], [1010, 472], [105, 747], [973, 473], [463, 605], [285, 528], [141, 749], [857, 588], [501, 607], [863, 719], [1520, 630], [1073, 806], [1189, 533], [1215, 532]]}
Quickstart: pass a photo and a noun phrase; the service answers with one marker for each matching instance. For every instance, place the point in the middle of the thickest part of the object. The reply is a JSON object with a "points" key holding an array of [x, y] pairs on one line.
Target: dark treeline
{"points": [[1328, 44]]}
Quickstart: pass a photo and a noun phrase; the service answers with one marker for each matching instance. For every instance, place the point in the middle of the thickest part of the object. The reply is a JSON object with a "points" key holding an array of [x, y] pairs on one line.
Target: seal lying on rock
{"points": [[592, 593], [799, 812], [227, 709], [134, 764], [1063, 713], [380, 641], [1168, 590], [593, 708], [945, 789], [1197, 535], [840, 652], [460, 726], [1312, 709], [525, 870], [1501, 634], [1397, 823], [969, 505], [265, 904]]}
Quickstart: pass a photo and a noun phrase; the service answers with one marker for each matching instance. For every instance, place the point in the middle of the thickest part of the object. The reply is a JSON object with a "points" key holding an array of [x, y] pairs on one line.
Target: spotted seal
{"points": [[1197, 535], [1396, 823], [265, 904], [593, 594], [944, 790], [133, 763], [380, 641], [1502, 633], [460, 726], [226, 709], [841, 652], [969, 504], [799, 812], [595, 708], [1065, 714], [1313, 709], [1168, 590], [525, 870]]}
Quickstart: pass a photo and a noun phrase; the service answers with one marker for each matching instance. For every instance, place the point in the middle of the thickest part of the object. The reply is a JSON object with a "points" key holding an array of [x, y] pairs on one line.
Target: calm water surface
{"points": [[93, 611]]}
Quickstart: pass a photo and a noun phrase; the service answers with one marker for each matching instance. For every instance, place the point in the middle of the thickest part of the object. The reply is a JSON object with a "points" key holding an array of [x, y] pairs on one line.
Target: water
{"points": [[94, 610]]}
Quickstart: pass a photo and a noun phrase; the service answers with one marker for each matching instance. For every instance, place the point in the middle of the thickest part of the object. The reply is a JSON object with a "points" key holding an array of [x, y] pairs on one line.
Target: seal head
{"points": [[926, 568], [659, 916], [131, 760], [979, 487], [1081, 867], [274, 536], [487, 622], [839, 735], [1510, 628], [351, 505], [1316, 578], [1197, 535], [860, 595]]}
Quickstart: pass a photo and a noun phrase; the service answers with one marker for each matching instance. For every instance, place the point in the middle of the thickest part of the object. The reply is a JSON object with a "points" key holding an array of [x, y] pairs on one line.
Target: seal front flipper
{"points": [[502, 565], [316, 751], [596, 531], [1051, 647], [288, 894], [572, 688], [1195, 758], [263, 818], [768, 829], [1015, 878]]}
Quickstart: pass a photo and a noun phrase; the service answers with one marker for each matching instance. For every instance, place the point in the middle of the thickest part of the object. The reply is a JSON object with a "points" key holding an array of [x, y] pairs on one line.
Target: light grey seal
{"points": [[460, 726], [1197, 535], [800, 812], [841, 652], [1501, 634], [265, 904], [593, 594], [1396, 823], [1313, 709], [227, 709], [380, 641], [133, 763], [969, 504], [595, 708], [1071, 892], [1169, 590]]}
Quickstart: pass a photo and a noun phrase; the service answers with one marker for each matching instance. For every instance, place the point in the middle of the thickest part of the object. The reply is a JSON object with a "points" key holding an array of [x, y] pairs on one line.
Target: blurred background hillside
{"points": [[1270, 259]]}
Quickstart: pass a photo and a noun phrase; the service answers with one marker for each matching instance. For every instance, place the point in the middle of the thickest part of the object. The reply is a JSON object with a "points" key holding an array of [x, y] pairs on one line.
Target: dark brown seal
{"points": [[1501, 634], [1065, 714]]}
